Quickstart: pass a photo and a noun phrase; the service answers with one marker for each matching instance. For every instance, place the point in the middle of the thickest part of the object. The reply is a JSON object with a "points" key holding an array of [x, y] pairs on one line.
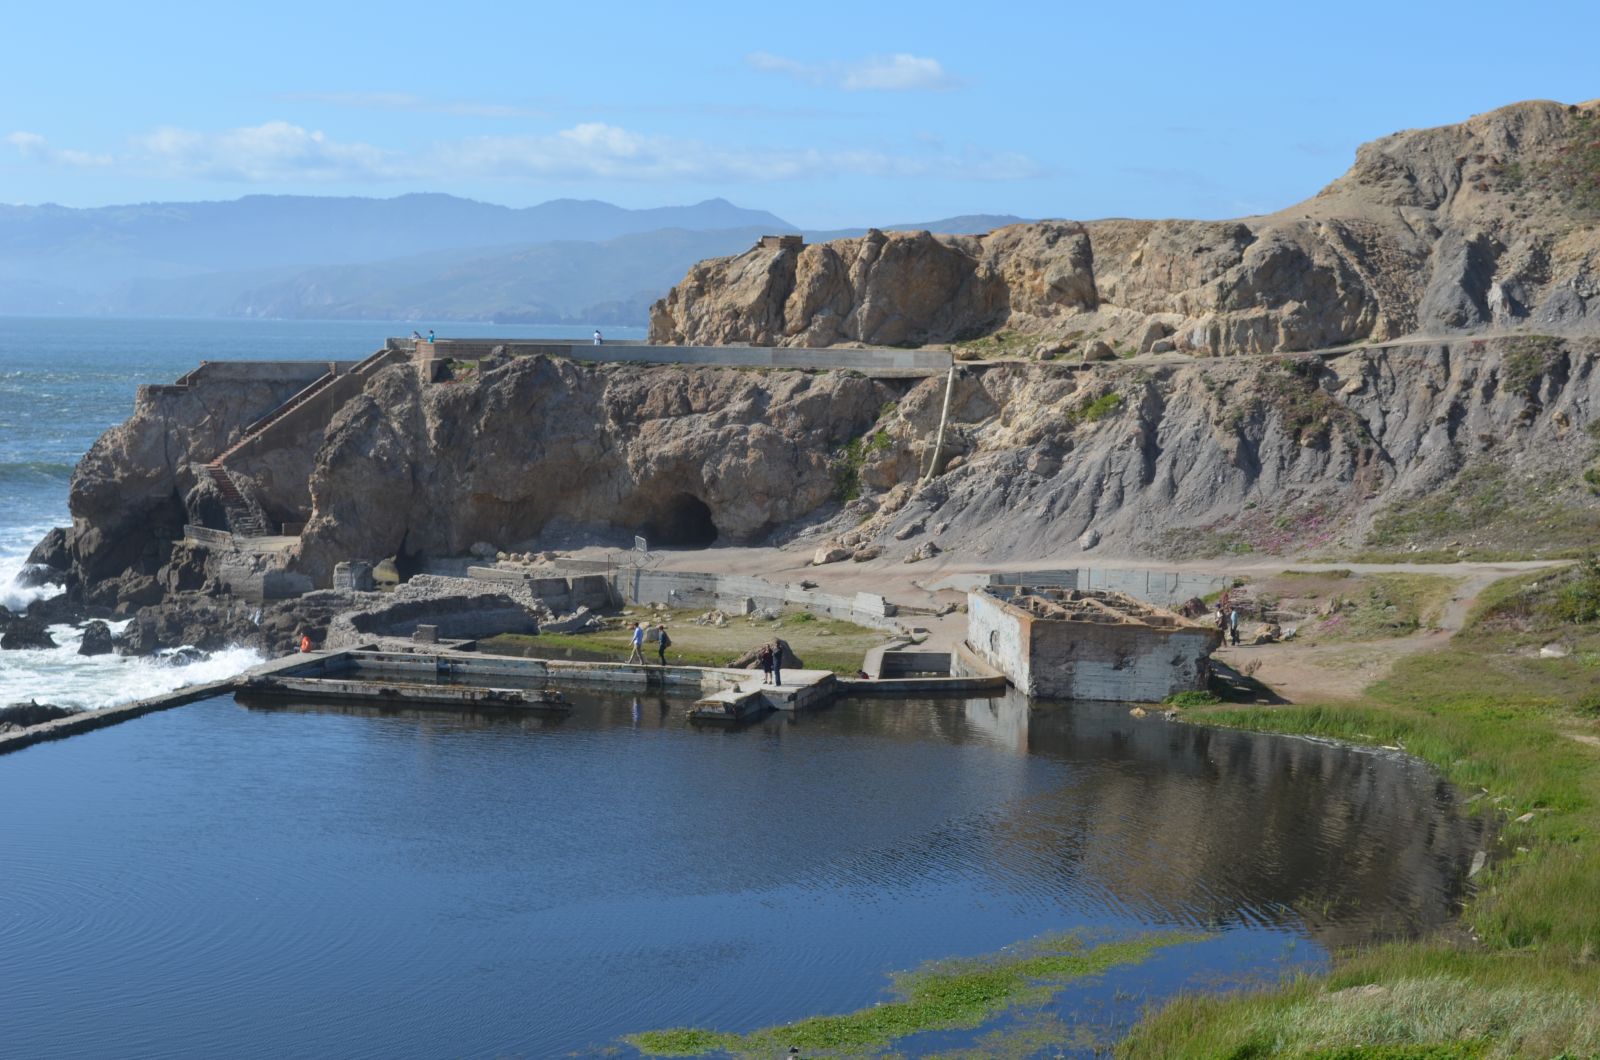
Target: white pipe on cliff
{"points": [[938, 443]]}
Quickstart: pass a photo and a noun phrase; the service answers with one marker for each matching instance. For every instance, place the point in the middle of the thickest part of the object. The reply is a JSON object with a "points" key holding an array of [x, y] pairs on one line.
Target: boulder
{"points": [[51, 551], [926, 550], [1099, 350], [96, 639], [829, 554], [1088, 539], [26, 633], [1266, 633], [869, 552], [19, 716]]}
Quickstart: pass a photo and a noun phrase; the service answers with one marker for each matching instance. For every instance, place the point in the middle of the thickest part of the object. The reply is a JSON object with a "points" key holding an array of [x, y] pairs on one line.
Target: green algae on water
{"points": [[946, 995]]}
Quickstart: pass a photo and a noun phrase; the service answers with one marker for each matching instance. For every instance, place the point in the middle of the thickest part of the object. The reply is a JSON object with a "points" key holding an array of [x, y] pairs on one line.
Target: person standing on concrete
{"points": [[597, 339], [1233, 626], [663, 642], [637, 656], [777, 663], [764, 657]]}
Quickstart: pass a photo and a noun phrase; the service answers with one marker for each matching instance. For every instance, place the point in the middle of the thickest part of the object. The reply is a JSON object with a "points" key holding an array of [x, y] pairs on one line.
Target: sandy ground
{"points": [[1297, 672]]}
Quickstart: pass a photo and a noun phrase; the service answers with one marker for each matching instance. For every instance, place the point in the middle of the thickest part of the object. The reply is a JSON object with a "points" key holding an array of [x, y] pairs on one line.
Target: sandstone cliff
{"points": [[1491, 223]]}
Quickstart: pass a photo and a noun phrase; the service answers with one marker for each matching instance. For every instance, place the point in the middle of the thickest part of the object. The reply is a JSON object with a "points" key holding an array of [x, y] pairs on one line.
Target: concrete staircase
{"points": [[321, 399], [244, 518]]}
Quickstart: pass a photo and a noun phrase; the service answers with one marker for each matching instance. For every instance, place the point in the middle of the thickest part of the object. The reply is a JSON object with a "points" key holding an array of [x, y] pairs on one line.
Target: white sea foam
{"points": [[60, 675], [14, 551]]}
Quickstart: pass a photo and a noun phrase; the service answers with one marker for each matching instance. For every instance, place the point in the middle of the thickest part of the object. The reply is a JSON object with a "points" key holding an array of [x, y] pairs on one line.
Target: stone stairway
{"points": [[244, 518]]}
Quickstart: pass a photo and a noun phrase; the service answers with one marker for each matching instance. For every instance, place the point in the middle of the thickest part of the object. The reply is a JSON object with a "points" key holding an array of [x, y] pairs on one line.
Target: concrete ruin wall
{"points": [[728, 592], [1114, 659]]}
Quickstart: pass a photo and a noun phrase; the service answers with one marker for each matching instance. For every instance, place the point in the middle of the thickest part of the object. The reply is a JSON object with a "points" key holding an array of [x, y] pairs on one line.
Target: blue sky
{"points": [[829, 114]]}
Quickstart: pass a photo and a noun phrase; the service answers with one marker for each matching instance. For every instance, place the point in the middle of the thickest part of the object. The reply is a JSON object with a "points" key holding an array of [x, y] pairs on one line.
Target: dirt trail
{"points": [[1296, 671]]}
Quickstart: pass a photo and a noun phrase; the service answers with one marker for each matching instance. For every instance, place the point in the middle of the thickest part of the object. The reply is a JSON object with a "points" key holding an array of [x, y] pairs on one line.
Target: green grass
{"points": [[1185, 700], [1490, 514], [821, 643], [1497, 720], [848, 462], [1096, 409], [949, 995], [1383, 605]]}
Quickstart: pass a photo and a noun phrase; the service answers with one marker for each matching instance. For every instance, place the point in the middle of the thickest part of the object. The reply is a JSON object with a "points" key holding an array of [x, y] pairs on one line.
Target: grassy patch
{"points": [[1381, 605], [1185, 700], [1002, 344], [848, 462], [1488, 513], [821, 643], [1527, 359], [1497, 720], [1096, 409], [949, 995]]}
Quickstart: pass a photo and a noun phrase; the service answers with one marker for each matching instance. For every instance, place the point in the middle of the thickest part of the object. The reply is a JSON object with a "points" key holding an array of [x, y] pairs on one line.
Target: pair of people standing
{"points": [[771, 659]]}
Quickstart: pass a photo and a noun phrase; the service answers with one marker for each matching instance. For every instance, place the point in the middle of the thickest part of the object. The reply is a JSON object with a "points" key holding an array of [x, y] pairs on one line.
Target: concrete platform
{"points": [[801, 690]]}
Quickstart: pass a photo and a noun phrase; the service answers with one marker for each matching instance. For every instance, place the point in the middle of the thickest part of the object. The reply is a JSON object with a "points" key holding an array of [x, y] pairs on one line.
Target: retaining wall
{"points": [[730, 592], [877, 362]]}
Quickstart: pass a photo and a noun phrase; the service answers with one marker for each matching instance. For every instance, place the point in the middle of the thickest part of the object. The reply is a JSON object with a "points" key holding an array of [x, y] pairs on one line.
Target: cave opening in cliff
{"points": [[684, 521]]}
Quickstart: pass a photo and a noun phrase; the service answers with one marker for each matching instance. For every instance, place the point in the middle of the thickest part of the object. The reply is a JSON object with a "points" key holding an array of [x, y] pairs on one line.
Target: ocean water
{"points": [[63, 381]]}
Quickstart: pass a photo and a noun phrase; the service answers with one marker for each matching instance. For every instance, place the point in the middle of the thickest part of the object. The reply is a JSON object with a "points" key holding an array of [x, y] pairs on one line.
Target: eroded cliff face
{"points": [[1439, 231], [540, 447], [1480, 446], [1475, 447]]}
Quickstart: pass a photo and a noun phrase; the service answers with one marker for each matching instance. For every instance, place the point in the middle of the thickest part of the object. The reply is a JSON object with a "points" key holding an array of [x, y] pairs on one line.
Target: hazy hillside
{"points": [[426, 256]]}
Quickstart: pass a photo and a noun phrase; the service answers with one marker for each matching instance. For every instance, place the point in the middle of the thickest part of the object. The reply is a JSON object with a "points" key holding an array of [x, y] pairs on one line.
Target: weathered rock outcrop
{"points": [[1435, 231], [540, 446], [1479, 445]]}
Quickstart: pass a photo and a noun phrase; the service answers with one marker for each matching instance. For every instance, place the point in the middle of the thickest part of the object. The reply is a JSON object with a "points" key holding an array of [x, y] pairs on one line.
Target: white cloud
{"points": [[899, 72], [33, 146], [280, 152]]}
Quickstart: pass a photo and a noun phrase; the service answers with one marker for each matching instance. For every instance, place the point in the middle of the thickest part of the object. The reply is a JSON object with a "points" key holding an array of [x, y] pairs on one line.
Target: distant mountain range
{"points": [[425, 257]]}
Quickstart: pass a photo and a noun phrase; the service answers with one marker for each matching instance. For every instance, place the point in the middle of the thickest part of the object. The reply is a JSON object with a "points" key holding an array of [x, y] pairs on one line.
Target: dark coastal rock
{"points": [[51, 551], [36, 574], [24, 633], [55, 610], [208, 623], [135, 591], [20, 716], [96, 639]]}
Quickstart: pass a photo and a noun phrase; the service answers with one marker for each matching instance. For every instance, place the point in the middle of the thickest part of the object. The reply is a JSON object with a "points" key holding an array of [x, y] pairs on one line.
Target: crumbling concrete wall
{"points": [[1100, 653]]}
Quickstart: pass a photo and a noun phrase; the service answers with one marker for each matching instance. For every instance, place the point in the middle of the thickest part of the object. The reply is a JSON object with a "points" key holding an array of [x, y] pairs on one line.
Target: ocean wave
{"points": [[34, 471], [61, 676]]}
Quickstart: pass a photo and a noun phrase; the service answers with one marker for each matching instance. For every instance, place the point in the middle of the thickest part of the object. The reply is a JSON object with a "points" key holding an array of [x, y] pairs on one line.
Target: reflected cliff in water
{"points": [[1153, 819]]}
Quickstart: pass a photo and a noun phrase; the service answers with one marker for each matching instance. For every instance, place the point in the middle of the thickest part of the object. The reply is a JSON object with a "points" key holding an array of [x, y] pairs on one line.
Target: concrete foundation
{"points": [[1077, 644]]}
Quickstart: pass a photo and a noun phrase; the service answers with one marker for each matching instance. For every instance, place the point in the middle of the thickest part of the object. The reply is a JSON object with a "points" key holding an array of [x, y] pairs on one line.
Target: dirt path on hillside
{"points": [[1298, 672]]}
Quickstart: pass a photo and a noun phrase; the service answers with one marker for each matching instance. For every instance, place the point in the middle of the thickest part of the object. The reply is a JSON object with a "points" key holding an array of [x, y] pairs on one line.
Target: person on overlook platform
{"points": [[597, 339]]}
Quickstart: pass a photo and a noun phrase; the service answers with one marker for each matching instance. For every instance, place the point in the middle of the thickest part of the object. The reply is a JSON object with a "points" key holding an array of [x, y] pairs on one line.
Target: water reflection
{"points": [[332, 879]]}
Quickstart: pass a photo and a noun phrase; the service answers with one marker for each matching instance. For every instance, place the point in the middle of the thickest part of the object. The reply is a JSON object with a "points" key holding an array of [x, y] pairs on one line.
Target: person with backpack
{"points": [[663, 642]]}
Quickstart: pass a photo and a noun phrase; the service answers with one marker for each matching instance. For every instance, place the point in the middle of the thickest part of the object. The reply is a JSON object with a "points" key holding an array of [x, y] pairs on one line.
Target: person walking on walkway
{"points": [[663, 642], [637, 655]]}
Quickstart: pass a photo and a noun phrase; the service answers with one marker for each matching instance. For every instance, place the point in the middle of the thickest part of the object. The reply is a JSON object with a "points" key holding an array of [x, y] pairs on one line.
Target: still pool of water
{"points": [[223, 881]]}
